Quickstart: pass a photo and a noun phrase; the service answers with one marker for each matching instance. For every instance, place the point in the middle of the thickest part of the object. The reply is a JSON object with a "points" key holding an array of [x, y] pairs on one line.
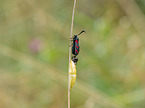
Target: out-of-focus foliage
{"points": [[34, 44]]}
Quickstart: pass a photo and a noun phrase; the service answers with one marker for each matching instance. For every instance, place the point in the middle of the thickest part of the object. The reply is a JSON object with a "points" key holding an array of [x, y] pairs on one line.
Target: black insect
{"points": [[76, 47]]}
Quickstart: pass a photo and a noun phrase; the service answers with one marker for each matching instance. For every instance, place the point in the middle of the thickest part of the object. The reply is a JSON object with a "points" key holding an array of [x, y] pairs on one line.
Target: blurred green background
{"points": [[34, 44]]}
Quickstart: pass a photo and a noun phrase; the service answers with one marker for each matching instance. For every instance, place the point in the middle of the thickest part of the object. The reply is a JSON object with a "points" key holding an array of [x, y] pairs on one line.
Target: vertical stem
{"points": [[70, 51], [71, 29]]}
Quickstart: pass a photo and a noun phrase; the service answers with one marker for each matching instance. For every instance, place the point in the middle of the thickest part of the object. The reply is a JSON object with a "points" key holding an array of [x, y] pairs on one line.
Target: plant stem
{"points": [[70, 51]]}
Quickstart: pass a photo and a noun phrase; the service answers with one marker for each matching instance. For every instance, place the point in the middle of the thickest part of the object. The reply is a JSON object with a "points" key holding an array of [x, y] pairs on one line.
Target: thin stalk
{"points": [[70, 50]]}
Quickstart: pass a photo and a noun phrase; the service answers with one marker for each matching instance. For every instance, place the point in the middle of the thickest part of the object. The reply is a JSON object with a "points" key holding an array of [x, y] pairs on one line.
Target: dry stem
{"points": [[70, 51]]}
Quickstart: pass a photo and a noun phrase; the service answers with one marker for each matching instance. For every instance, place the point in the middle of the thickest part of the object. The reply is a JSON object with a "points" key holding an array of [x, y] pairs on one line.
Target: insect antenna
{"points": [[81, 32]]}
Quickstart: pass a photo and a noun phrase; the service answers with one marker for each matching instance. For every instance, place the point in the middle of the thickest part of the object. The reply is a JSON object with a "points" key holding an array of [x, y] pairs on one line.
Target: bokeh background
{"points": [[34, 44]]}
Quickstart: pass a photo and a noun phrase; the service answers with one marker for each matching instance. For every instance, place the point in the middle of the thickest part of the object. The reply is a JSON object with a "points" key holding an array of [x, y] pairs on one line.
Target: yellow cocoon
{"points": [[72, 74]]}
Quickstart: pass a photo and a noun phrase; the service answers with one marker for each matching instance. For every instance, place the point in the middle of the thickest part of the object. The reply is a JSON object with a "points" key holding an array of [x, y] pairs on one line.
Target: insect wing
{"points": [[77, 46]]}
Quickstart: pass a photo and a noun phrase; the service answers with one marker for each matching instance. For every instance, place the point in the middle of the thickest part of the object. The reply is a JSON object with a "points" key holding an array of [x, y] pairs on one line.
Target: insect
{"points": [[76, 47]]}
